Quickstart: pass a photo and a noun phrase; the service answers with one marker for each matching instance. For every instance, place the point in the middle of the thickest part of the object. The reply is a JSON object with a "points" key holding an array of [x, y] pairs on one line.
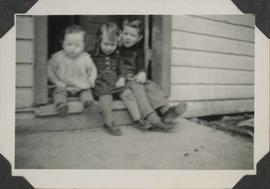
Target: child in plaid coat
{"points": [[107, 60]]}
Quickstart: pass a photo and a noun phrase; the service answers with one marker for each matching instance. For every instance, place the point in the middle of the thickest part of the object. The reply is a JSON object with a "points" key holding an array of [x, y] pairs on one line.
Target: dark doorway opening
{"points": [[56, 26]]}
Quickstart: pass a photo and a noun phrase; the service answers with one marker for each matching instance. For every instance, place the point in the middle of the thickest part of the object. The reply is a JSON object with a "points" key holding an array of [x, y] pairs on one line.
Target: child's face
{"points": [[108, 46], [130, 36], [73, 44]]}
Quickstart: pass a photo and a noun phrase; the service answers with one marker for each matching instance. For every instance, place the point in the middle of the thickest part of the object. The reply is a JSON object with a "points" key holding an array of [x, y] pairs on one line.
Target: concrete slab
{"points": [[187, 146]]}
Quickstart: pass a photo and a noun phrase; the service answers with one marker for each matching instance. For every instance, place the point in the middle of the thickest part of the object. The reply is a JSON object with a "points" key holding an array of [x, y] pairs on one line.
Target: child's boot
{"points": [[62, 109], [157, 124], [87, 104], [174, 112], [142, 124], [112, 129], [160, 126]]}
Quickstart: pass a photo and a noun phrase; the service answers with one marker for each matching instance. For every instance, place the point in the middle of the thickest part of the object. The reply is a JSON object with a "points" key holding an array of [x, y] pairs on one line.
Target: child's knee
{"points": [[127, 95]]}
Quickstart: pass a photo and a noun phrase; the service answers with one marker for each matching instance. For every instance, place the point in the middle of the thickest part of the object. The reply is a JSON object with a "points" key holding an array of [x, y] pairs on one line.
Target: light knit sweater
{"points": [[73, 72]]}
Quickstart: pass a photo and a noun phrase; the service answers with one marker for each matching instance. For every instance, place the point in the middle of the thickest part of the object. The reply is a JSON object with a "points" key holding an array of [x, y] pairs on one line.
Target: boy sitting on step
{"points": [[151, 100]]}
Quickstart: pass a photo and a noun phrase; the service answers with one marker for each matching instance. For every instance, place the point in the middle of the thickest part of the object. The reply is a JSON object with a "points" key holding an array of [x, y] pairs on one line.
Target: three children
{"points": [[116, 72]]}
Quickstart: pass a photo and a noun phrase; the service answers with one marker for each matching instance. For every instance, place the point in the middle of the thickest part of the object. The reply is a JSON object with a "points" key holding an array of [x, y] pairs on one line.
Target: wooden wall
{"points": [[24, 61], [212, 63]]}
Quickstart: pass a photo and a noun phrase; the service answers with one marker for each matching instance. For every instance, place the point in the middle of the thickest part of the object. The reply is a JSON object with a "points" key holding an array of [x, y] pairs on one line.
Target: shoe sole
{"points": [[111, 133], [161, 129]]}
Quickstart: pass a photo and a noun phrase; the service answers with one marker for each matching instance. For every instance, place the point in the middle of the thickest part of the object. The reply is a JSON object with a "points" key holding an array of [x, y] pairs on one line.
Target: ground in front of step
{"points": [[188, 146]]}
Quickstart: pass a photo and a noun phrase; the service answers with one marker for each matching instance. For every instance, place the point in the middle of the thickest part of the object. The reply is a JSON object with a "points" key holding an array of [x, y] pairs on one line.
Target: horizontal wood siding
{"points": [[24, 61], [216, 107], [212, 64]]}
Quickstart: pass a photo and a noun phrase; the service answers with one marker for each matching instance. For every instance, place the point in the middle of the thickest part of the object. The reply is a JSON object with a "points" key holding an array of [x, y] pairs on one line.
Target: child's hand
{"points": [[73, 90], [120, 82], [61, 85], [141, 77], [92, 82]]}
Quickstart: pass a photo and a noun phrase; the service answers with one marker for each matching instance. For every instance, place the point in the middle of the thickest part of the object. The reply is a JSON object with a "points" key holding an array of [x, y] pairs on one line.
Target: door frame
{"points": [[161, 52], [159, 55]]}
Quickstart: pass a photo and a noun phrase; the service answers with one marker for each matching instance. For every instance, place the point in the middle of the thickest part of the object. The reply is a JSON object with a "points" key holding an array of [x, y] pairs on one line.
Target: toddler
{"points": [[72, 70], [151, 100], [107, 61]]}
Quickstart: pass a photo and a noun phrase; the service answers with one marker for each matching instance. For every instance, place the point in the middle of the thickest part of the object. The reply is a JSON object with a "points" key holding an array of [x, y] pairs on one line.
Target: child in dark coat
{"points": [[107, 60], [152, 102]]}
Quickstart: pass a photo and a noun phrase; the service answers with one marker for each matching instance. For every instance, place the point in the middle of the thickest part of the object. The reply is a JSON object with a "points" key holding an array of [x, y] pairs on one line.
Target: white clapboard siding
{"points": [[212, 64], [24, 51], [24, 97], [193, 75], [24, 75], [24, 61], [207, 43], [211, 60], [241, 20], [24, 27], [202, 108], [211, 28], [207, 92]]}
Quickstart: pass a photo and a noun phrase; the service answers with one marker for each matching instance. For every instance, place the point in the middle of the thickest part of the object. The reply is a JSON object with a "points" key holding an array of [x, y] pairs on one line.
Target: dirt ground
{"points": [[188, 146]]}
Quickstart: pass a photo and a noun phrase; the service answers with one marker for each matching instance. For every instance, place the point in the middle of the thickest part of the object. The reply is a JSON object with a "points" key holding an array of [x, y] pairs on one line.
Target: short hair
{"points": [[110, 30], [75, 29], [137, 24]]}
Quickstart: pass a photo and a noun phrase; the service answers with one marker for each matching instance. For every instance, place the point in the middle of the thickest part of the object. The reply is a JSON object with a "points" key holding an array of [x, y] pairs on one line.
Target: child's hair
{"points": [[137, 24], [74, 29], [110, 30]]}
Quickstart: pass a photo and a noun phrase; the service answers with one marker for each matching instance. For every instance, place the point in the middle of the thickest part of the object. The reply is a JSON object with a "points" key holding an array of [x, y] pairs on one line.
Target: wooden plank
{"points": [[40, 64], [99, 18], [244, 20], [24, 27], [24, 97], [207, 43], [161, 53], [210, 92], [211, 60], [206, 108], [91, 42], [203, 26], [193, 75], [74, 106], [50, 109], [24, 75], [90, 27], [25, 51]]}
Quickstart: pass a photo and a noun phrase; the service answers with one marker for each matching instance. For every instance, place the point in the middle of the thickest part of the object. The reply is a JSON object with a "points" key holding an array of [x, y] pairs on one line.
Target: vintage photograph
{"points": [[141, 92]]}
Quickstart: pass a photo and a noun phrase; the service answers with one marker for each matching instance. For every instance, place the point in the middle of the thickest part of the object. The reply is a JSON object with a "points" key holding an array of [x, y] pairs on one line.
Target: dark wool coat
{"points": [[108, 72], [132, 59]]}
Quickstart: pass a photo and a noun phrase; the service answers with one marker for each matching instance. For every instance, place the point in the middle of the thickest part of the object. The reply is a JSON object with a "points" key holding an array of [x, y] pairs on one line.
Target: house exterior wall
{"points": [[212, 64], [24, 61]]}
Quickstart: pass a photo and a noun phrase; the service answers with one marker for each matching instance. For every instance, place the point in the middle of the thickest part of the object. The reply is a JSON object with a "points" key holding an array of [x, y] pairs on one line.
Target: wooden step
{"points": [[73, 108]]}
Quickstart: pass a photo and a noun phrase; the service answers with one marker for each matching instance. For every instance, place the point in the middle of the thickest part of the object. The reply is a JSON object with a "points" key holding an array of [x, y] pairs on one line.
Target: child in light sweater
{"points": [[72, 70]]}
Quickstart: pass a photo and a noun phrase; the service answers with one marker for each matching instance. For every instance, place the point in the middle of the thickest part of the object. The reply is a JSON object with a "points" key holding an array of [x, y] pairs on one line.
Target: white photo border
{"points": [[132, 178]]}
